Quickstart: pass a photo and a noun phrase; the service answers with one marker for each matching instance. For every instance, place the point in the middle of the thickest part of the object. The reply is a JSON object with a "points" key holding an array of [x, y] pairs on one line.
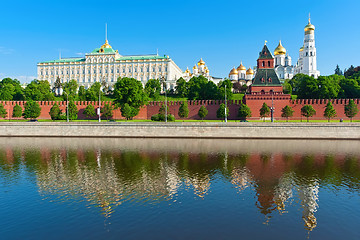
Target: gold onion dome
{"points": [[201, 62], [241, 67], [106, 45], [233, 71], [187, 70], [249, 72], [309, 27], [195, 67], [301, 49], [279, 50]]}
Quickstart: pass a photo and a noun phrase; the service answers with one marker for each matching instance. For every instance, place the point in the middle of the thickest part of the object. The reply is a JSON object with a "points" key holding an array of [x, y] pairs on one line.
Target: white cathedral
{"points": [[200, 69], [306, 63]]}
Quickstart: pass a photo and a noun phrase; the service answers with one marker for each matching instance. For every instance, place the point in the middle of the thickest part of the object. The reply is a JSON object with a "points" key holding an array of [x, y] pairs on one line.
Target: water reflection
{"points": [[107, 173]]}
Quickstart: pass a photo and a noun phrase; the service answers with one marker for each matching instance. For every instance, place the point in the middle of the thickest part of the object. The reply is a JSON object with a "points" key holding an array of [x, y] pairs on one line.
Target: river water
{"points": [[52, 188]]}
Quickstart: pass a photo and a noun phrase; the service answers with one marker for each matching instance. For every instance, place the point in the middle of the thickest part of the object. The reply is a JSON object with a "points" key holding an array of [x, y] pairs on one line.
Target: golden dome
{"points": [[309, 26], [207, 70], [106, 45], [241, 67], [201, 62], [233, 72], [187, 70], [279, 50], [195, 67], [250, 72], [301, 49]]}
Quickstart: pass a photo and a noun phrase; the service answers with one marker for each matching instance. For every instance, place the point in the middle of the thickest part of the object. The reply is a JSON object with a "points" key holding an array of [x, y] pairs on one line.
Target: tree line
{"points": [[338, 85]]}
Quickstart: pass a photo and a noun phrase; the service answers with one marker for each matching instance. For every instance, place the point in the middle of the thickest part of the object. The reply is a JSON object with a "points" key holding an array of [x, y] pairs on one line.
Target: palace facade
{"points": [[106, 64]]}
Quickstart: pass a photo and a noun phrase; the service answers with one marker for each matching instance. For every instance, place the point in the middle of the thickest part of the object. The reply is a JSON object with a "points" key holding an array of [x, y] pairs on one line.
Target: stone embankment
{"points": [[211, 130]]}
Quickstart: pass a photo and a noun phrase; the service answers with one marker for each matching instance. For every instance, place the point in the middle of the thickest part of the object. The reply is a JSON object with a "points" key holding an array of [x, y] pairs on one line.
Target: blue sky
{"points": [[223, 33]]}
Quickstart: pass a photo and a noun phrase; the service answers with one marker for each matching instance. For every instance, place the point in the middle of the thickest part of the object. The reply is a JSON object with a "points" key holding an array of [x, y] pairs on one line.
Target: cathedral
{"points": [[200, 69]]}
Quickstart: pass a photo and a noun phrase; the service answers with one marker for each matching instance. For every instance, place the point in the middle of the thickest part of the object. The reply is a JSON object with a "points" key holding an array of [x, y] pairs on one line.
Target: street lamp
{"points": [[225, 104], [99, 110], [67, 106], [163, 80], [272, 105]]}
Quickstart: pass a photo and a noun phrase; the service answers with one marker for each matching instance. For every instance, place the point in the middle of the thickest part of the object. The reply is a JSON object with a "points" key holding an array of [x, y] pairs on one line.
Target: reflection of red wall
{"points": [[253, 101]]}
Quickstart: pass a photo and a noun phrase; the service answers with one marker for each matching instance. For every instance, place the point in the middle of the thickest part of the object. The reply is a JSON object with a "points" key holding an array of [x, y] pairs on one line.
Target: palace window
{"points": [[135, 70], [263, 64], [123, 70], [153, 69], [262, 80], [159, 69], [269, 80], [165, 69]]}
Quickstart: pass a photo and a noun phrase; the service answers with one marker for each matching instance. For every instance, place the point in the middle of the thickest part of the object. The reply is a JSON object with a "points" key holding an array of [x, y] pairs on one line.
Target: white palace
{"points": [[106, 64]]}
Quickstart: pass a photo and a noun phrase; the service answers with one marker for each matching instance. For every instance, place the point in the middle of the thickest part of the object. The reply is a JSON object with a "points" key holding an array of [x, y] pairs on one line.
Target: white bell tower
{"points": [[309, 52]]}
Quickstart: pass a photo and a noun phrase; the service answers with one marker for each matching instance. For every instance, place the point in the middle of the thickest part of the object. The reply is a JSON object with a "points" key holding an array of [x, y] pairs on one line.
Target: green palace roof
{"points": [[104, 51], [64, 60]]}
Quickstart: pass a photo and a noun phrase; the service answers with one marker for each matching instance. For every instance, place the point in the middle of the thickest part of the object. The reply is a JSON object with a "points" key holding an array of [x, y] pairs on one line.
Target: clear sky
{"points": [[223, 32]]}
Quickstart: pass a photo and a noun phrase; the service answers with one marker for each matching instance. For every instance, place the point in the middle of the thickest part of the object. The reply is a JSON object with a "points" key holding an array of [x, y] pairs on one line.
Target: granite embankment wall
{"points": [[234, 130], [254, 103]]}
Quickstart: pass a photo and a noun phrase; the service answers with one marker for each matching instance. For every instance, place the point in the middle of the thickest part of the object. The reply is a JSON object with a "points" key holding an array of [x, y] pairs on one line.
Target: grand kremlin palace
{"points": [[106, 64]]}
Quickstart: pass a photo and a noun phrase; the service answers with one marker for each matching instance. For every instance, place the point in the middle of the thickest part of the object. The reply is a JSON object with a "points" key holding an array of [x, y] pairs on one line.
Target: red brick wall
{"points": [[253, 101]]}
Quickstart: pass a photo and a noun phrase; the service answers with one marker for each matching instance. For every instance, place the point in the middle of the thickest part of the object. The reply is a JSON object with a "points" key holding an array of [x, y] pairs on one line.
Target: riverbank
{"points": [[205, 130]]}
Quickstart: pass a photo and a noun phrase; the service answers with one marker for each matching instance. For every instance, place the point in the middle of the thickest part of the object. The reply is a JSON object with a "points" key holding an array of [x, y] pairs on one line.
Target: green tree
{"points": [[107, 111], [229, 93], [3, 112], [10, 89], [32, 110], [153, 88], [264, 111], [200, 88], [203, 112], [17, 111], [73, 111], [55, 112], [351, 109], [287, 112], [130, 91], [57, 86], [128, 112], [220, 113], [287, 89], [39, 90], [330, 111], [244, 111], [329, 86], [349, 88], [308, 111], [89, 111], [92, 93], [70, 88], [183, 110], [338, 70], [181, 88], [82, 93]]}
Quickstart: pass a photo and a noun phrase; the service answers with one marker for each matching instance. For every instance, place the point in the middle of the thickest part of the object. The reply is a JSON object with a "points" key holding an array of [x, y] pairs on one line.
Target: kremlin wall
{"points": [[254, 102]]}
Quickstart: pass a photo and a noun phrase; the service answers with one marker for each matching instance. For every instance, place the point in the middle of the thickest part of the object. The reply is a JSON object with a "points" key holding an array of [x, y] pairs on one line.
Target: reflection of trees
{"points": [[106, 178]]}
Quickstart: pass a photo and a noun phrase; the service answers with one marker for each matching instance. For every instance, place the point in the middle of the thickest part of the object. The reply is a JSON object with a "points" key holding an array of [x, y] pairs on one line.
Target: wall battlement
{"points": [[254, 102]]}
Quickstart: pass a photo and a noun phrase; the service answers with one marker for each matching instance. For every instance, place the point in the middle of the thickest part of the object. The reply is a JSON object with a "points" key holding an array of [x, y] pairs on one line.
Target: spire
{"points": [[106, 32], [309, 17], [265, 42]]}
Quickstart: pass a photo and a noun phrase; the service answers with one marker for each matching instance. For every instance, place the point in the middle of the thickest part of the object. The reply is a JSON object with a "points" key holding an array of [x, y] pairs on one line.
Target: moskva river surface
{"points": [[53, 188]]}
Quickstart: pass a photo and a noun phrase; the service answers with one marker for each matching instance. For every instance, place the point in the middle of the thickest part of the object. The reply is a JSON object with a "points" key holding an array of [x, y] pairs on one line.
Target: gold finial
{"points": [[265, 42], [309, 17]]}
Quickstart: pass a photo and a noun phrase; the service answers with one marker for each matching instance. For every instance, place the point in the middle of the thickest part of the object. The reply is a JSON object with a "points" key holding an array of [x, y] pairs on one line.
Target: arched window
{"points": [[269, 80], [262, 80], [269, 63], [263, 64], [262, 92]]}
